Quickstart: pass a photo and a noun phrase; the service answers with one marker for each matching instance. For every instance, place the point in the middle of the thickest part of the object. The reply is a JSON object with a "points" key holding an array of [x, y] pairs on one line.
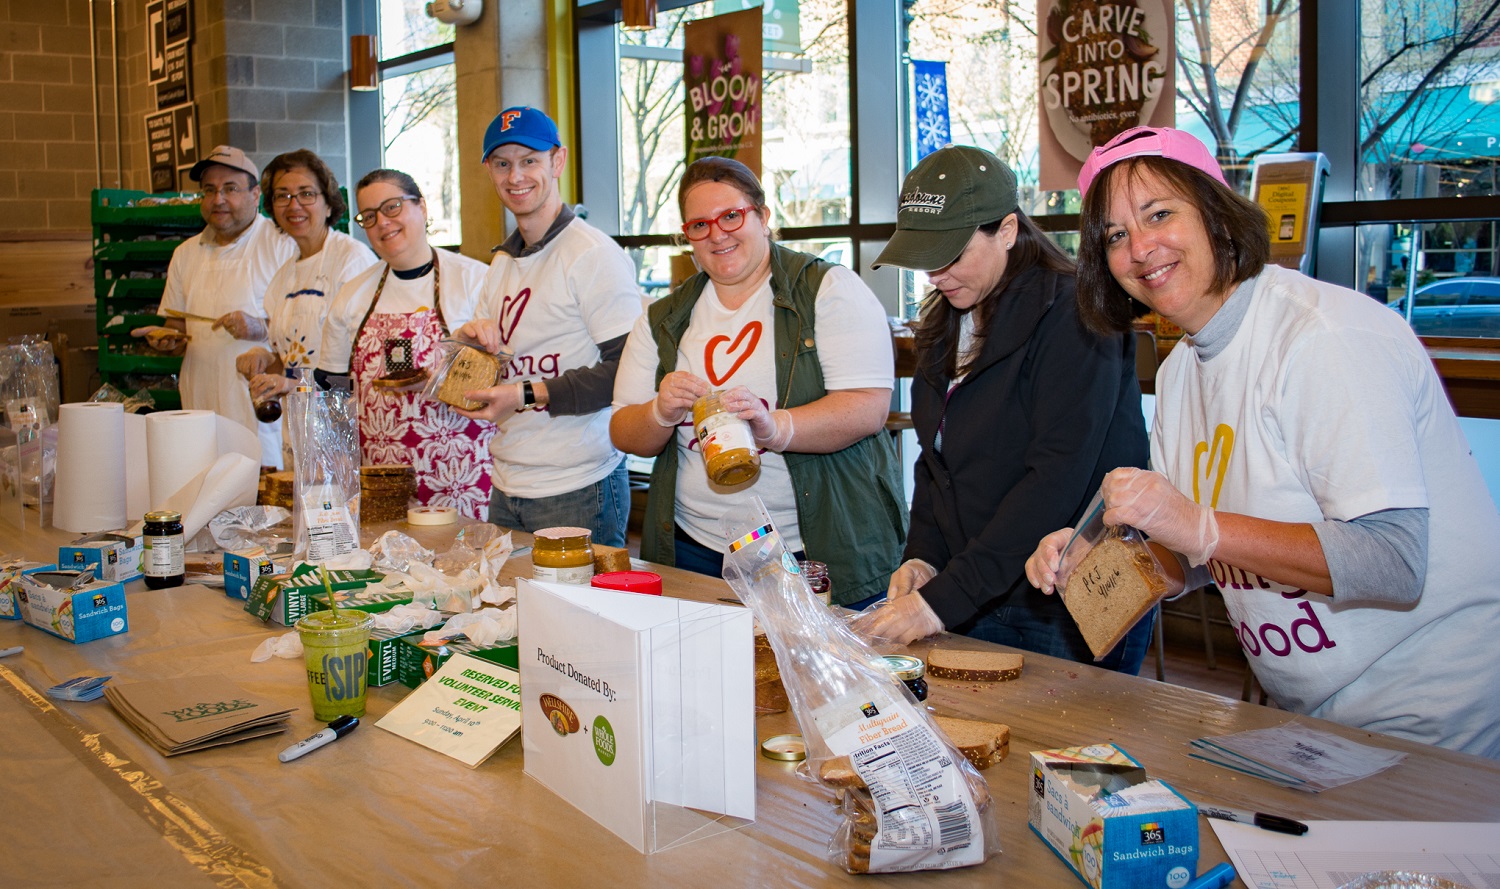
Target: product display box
{"points": [[287, 597], [416, 662], [1110, 822], [384, 655], [114, 557], [49, 600], [371, 601], [10, 585], [242, 570]]}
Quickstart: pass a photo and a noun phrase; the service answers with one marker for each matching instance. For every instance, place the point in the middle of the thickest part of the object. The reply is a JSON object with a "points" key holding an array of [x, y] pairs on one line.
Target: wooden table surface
{"points": [[91, 803]]}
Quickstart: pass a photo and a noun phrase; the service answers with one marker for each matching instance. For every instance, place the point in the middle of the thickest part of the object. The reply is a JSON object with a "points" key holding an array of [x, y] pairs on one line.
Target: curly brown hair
{"points": [[327, 182]]}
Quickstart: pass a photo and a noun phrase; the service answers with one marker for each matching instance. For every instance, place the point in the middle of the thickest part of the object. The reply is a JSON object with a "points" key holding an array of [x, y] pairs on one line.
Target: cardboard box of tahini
{"points": [[55, 602]]}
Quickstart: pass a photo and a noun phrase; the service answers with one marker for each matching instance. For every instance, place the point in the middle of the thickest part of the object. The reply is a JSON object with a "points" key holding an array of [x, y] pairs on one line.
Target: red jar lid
{"points": [[630, 581]]}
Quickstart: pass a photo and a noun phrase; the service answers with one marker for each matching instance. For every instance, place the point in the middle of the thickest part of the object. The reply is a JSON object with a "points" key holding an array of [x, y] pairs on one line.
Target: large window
{"points": [[419, 123]]}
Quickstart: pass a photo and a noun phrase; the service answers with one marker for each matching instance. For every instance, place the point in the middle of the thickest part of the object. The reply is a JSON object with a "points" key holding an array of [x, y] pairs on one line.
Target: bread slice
{"points": [[982, 743], [974, 666], [472, 369], [1110, 590], [839, 772]]}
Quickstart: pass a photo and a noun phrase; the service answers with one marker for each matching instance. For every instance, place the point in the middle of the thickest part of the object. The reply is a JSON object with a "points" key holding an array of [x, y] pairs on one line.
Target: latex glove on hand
{"points": [[264, 387], [902, 621], [253, 363], [910, 577], [483, 332], [241, 326], [772, 429], [1146, 501], [162, 339], [675, 397], [500, 402], [1042, 565]]}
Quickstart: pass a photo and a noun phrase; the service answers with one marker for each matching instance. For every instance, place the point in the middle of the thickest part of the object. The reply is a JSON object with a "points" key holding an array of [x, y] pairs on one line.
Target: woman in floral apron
{"points": [[384, 329]]}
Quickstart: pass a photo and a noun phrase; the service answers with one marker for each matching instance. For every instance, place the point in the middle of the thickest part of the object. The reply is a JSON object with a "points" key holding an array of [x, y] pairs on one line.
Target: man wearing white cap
{"points": [[216, 287]]}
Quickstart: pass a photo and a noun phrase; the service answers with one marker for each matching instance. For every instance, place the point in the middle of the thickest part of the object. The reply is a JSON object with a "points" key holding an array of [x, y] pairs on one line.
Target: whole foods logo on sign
{"points": [[722, 82], [1106, 66]]}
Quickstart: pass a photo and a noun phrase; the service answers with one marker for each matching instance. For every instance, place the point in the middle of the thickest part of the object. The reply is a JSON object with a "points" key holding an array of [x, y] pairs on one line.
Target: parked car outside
{"points": [[1466, 307]]}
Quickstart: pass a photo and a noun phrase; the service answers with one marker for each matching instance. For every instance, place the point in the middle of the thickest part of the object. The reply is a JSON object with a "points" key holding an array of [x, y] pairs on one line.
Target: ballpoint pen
{"points": [[1258, 819]]}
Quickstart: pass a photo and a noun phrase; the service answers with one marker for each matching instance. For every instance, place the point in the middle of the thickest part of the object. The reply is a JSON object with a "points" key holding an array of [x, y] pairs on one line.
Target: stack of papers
{"points": [[1294, 755], [80, 688], [183, 715]]}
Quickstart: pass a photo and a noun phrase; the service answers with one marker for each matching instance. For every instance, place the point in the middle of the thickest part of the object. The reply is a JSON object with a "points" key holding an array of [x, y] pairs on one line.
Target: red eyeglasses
{"points": [[728, 221]]}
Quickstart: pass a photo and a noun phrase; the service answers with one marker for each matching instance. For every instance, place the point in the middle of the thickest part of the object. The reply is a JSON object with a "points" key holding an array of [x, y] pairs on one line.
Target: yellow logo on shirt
{"points": [[1210, 462]]}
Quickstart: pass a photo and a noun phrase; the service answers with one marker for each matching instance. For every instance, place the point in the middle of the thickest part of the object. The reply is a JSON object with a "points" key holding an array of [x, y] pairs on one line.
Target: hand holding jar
{"points": [[772, 429], [675, 397]]}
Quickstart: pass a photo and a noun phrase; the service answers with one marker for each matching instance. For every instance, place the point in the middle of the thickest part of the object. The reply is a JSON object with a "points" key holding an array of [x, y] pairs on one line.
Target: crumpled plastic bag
{"points": [[354, 560], [486, 627], [431, 588], [243, 528], [405, 618], [394, 551], [287, 645]]}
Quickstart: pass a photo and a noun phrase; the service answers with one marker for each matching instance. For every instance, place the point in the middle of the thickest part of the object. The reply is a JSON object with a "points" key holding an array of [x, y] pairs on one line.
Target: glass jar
{"points": [[164, 548], [563, 555], [816, 575], [911, 671], [726, 442], [268, 411]]}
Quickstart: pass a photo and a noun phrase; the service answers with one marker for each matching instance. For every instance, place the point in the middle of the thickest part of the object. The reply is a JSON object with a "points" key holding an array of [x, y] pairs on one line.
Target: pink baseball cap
{"points": [[1149, 142]]}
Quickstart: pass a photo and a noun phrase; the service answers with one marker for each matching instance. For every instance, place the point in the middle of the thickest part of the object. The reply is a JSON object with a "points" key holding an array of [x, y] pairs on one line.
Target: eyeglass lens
{"points": [[391, 208]]}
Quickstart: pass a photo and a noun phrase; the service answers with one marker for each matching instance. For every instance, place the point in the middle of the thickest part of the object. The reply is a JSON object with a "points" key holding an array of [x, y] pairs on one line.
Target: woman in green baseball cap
{"points": [[1020, 411]]}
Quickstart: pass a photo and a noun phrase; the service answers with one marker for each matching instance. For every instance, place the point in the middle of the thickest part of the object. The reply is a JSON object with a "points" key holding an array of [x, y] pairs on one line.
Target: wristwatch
{"points": [[528, 396]]}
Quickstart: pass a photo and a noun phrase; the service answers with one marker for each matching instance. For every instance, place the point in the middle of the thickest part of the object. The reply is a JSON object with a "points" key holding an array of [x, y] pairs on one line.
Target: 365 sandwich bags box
{"points": [[10, 585], [50, 602], [115, 557], [1113, 825], [242, 570]]}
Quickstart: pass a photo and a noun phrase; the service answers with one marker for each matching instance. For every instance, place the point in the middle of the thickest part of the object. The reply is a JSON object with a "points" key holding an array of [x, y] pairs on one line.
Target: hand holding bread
{"points": [[1042, 565]]}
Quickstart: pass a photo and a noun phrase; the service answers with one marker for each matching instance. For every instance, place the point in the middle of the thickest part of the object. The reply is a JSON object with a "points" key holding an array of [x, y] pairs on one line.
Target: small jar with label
{"points": [[726, 442], [911, 671], [816, 575], [163, 556], [563, 555]]}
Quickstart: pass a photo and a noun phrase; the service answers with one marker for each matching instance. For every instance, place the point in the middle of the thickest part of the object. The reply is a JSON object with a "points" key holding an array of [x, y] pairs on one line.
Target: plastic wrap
{"points": [[28, 372], [462, 367], [867, 738], [1108, 578], [324, 435]]}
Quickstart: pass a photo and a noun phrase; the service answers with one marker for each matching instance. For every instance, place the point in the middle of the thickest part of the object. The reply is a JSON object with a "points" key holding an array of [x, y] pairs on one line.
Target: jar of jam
{"points": [[726, 442], [911, 671], [816, 575], [268, 411], [163, 556], [563, 555]]}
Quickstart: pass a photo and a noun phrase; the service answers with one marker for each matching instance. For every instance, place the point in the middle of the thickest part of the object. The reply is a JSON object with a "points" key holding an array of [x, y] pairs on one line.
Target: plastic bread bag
{"points": [[866, 736], [325, 451], [1108, 578], [462, 367]]}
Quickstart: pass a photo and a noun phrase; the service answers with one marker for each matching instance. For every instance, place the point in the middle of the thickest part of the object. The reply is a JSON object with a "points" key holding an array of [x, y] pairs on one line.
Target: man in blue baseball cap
{"points": [[561, 296]]}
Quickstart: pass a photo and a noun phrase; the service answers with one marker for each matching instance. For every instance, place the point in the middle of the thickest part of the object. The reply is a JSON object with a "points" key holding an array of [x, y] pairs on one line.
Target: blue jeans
{"points": [[603, 508], [1046, 627]]}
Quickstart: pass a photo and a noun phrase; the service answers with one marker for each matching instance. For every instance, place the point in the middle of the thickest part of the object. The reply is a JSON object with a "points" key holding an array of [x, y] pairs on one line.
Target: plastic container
{"points": [[645, 582], [726, 442]]}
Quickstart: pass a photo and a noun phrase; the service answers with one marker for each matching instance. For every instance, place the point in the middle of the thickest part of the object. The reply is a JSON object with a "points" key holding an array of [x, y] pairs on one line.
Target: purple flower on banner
{"points": [[732, 45], [695, 66]]}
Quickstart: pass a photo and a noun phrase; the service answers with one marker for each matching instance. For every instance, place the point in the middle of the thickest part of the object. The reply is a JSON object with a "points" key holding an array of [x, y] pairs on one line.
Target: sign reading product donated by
{"points": [[468, 709], [1105, 66], [639, 710], [722, 80]]}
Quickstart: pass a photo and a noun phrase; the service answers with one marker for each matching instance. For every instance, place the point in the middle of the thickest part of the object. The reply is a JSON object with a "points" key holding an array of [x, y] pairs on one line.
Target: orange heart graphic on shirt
{"points": [[751, 330], [510, 313], [1217, 463]]}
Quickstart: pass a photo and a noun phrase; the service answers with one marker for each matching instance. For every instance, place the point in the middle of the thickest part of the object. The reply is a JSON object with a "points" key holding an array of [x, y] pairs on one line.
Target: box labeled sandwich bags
{"points": [[1113, 825], [242, 570], [55, 601], [114, 557], [10, 586]]}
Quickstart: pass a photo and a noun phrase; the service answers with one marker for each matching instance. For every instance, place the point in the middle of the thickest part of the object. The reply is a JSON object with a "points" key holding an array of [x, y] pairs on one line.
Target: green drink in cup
{"points": [[336, 645]]}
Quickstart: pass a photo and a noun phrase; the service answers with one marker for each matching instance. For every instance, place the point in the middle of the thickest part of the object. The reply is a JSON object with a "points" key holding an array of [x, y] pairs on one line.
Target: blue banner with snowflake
{"points": [[930, 81]]}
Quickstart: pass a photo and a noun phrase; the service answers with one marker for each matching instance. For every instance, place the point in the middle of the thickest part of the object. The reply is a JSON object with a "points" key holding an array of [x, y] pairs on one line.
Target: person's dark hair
{"points": [[722, 169], [939, 321], [327, 182], [1236, 230], [395, 177]]}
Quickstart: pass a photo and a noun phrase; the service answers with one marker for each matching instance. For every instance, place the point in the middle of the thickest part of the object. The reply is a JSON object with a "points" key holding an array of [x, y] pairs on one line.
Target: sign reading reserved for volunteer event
{"points": [[468, 709], [639, 710]]}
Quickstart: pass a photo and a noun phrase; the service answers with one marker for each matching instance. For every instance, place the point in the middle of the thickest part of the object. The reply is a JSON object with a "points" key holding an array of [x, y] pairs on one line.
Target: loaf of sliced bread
{"points": [[472, 369], [1110, 590], [973, 666], [982, 743]]}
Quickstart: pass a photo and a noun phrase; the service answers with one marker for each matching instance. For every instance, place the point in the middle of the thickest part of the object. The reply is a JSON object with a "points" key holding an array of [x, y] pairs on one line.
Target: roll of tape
{"points": [[432, 515]]}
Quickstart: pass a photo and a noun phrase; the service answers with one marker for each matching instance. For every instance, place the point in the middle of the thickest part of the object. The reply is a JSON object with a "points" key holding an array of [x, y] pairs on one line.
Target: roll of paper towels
{"points": [[181, 444], [90, 493]]}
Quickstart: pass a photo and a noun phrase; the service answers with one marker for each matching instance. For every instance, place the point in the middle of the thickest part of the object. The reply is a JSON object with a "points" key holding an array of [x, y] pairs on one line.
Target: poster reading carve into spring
{"points": [[1106, 66], [722, 81]]}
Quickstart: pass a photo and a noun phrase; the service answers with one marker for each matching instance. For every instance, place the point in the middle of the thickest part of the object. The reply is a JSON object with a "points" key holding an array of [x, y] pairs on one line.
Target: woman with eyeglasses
{"points": [[302, 196], [802, 351], [383, 333]]}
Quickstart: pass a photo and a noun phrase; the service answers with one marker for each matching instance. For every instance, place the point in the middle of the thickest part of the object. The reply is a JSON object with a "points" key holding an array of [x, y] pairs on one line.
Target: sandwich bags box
{"points": [[1113, 825], [10, 586], [242, 570], [114, 557], [55, 601]]}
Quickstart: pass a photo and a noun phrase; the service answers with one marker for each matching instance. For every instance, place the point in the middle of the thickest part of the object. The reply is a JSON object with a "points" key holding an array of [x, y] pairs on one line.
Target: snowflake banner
{"points": [[930, 82]]}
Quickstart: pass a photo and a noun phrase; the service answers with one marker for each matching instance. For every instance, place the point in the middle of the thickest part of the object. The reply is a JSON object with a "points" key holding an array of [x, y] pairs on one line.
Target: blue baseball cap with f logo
{"points": [[522, 125]]}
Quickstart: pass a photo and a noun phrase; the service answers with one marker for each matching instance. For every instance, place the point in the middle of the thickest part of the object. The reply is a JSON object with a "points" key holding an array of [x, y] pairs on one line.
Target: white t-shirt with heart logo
{"points": [[730, 348]]}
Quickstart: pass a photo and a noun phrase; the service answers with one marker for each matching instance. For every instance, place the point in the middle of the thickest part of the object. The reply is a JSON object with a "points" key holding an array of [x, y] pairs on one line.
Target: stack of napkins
{"points": [[79, 688], [183, 715], [1294, 755]]}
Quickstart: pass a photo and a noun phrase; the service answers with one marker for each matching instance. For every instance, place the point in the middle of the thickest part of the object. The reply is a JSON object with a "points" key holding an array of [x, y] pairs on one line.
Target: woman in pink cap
{"points": [[1305, 459]]}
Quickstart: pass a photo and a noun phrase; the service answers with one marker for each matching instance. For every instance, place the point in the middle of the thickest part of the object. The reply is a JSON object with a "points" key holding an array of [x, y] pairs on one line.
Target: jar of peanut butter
{"points": [[563, 555], [726, 442]]}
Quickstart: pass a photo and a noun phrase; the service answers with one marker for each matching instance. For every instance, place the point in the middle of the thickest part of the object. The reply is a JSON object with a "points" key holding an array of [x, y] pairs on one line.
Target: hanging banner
{"points": [[781, 26], [1105, 66], [930, 84], [722, 81]]}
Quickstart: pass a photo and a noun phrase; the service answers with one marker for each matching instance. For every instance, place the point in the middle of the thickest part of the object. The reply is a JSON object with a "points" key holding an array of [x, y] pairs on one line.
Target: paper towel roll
{"points": [[180, 445], [137, 468], [90, 493]]}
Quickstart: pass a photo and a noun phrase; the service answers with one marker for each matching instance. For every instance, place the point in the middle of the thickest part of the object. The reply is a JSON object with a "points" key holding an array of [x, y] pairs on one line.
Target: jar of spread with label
{"points": [[163, 556], [911, 671], [563, 555], [816, 575], [726, 442]]}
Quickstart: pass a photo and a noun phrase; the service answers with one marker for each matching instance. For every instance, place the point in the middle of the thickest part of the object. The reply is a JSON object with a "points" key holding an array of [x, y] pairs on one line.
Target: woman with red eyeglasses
{"points": [[801, 350]]}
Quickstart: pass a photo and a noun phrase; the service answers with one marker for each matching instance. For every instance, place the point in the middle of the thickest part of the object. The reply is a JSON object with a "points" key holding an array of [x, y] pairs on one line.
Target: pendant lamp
{"points": [[364, 64], [639, 15]]}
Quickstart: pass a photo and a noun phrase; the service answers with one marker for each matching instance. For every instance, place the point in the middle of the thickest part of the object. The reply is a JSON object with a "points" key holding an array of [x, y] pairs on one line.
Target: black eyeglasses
{"points": [[391, 208], [728, 221], [307, 197]]}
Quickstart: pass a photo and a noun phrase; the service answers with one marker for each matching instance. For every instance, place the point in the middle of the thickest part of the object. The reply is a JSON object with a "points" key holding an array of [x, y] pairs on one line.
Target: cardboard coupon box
{"points": [[639, 710]]}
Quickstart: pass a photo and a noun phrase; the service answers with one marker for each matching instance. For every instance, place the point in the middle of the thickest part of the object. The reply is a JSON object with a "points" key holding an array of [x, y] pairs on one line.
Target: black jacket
{"points": [[1027, 436]]}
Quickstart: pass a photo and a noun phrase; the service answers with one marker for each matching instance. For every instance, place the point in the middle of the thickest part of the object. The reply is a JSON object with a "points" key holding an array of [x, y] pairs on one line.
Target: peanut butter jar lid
{"points": [[786, 748], [562, 533]]}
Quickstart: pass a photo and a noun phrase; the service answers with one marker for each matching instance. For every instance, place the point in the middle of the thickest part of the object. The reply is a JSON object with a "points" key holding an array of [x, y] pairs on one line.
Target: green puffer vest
{"points": [[849, 505]]}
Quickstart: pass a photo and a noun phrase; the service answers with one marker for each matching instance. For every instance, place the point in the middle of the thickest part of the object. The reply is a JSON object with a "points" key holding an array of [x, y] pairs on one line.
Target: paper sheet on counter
{"points": [[1333, 853]]}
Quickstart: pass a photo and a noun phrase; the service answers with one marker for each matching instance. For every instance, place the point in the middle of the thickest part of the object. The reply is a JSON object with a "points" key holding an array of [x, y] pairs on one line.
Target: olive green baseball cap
{"points": [[944, 200]]}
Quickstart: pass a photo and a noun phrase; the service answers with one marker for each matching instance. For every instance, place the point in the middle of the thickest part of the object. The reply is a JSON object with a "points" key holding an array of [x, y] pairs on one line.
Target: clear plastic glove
{"points": [[744, 404], [1146, 501], [902, 621], [241, 326], [162, 339], [1042, 565], [675, 397], [266, 386], [253, 363], [500, 403], [483, 332], [910, 577]]}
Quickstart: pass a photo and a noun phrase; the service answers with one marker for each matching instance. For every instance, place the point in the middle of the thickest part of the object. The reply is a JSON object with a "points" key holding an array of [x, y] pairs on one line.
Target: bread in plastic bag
{"points": [[462, 367], [324, 435], [1108, 579]]}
